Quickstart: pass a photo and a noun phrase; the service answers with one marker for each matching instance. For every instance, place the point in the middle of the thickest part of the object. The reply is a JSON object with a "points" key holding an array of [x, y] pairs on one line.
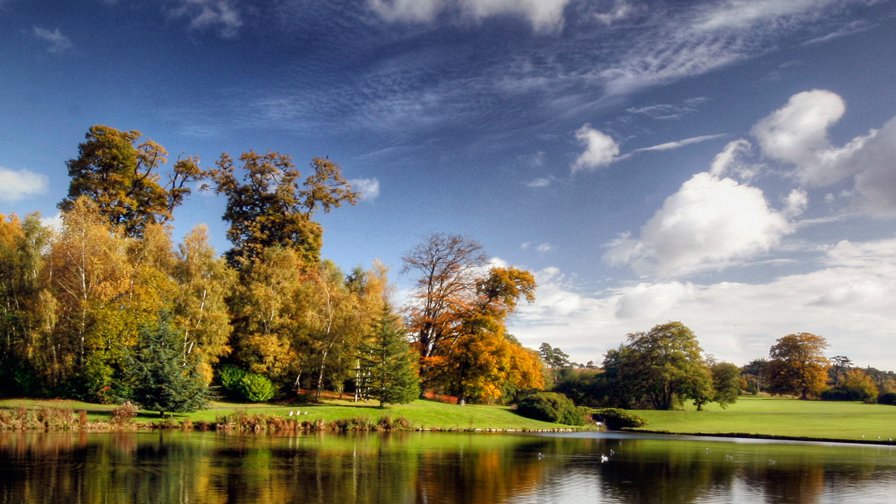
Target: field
{"points": [[421, 413], [779, 417]]}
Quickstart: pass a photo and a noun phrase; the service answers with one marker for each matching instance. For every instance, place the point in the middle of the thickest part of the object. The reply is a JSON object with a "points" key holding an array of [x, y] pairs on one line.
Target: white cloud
{"points": [[711, 223], [851, 294], [543, 15], [796, 203], [58, 43], [544, 248], [677, 144], [600, 149], [540, 182], [369, 188], [210, 14], [729, 160], [797, 135], [54, 222], [740, 14], [406, 10], [876, 182], [16, 185], [621, 10]]}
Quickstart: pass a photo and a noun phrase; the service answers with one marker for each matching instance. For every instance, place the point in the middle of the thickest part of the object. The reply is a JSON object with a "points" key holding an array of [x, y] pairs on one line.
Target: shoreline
{"points": [[768, 437]]}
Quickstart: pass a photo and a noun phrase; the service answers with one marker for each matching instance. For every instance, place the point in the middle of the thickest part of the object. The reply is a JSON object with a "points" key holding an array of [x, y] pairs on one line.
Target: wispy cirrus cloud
{"points": [[220, 15], [677, 144], [543, 15], [57, 42]]}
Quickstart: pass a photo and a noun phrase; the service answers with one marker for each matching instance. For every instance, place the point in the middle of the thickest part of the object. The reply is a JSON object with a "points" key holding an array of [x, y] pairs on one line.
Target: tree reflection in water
{"points": [[426, 467]]}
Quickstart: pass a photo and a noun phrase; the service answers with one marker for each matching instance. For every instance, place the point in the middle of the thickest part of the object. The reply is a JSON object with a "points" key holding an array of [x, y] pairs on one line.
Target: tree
{"points": [[798, 365], [267, 208], [659, 367], [122, 178], [388, 364], [445, 291], [163, 380], [25, 306], [200, 306], [754, 374], [725, 383]]}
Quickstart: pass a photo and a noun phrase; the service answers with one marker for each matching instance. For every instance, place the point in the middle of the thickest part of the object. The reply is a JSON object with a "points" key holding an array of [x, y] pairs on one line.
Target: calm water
{"points": [[173, 467]]}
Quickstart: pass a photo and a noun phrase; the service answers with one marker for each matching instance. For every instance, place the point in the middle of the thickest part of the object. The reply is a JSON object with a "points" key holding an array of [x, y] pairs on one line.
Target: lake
{"points": [[207, 467]]}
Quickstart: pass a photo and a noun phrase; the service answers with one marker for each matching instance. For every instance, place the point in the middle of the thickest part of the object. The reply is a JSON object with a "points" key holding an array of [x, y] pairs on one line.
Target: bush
{"points": [[887, 398], [124, 414], [230, 377], [256, 388], [551, 407], [615, 418]]}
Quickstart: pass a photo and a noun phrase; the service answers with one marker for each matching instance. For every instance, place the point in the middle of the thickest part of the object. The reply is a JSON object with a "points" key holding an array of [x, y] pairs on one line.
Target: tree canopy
{"points": [[798, 365], [122, 177]]}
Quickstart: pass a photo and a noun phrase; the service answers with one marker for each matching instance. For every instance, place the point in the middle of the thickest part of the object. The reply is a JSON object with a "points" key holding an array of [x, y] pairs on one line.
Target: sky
{"points": [[730, 164]]}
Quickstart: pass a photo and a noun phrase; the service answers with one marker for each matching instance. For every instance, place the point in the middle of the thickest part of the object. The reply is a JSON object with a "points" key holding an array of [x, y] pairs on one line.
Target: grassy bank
{"points": [[783, 418], [427, 415]]}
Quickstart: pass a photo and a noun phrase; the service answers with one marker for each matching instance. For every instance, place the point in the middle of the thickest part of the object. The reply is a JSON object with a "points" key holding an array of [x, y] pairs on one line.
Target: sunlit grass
{"points": [[421, 413], [767, 416]]}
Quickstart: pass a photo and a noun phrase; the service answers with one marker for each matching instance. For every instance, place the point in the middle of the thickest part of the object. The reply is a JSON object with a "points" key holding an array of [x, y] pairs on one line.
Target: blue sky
{"points": [[729, 164]]}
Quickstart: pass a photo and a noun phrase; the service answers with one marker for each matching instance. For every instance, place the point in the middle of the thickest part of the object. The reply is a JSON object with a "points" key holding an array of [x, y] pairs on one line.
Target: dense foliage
{"points": [[617, 419], [551, 407], [80, 306]]}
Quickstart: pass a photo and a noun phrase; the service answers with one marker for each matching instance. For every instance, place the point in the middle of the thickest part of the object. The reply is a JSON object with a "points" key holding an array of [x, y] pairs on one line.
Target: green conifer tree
{"points": [[164, 380], [388, 366]]}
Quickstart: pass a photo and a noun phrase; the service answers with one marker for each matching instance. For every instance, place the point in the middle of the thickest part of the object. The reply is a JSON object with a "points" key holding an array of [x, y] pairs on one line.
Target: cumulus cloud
{"points": [[218, 15], [797, 135], [711, 223], [600, 149], [58, 43], [54, 222], [852, 292], [369, 188], [16, 185], [543, 15]]}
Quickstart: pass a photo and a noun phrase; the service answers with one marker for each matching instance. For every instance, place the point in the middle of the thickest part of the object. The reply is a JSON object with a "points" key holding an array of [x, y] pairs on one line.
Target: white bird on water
{"points": [[604, 458]]}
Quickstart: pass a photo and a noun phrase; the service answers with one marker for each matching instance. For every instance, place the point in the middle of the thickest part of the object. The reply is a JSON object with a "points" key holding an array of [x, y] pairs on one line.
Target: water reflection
{"points": [[424, 467]]}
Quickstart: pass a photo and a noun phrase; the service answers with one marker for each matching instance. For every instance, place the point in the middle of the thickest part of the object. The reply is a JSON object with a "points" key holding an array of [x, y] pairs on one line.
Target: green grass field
{"points": [[421, 414], [780, 417]]}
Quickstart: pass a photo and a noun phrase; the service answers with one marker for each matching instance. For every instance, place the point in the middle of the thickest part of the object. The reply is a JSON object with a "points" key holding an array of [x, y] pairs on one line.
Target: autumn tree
{"points": [[387, 364], [798, 366], [25, 306], [88, 277], [266, 314], [445, 293], [269, 206], [659, 367], [200, 306], [124, 179]]}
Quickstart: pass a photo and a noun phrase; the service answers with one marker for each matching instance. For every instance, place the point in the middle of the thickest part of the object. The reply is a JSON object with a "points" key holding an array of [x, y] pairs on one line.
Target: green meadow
{"points": [[421, 414], [781, 417]]}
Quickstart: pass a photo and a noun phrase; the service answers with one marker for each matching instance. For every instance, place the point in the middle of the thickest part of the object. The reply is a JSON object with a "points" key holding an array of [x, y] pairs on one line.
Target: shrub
{"points": [[256, 388], [124, 414], [230, 377], [550, 407], [887, 398], [615, 418]]}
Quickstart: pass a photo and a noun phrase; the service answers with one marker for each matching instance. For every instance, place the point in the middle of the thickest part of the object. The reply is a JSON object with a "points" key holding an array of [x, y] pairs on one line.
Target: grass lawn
{"points": [[767, 416], [421, 413]]}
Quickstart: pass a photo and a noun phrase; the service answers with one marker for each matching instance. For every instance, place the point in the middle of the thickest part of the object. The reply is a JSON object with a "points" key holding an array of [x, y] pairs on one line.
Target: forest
{"points": [[109, 309]]}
